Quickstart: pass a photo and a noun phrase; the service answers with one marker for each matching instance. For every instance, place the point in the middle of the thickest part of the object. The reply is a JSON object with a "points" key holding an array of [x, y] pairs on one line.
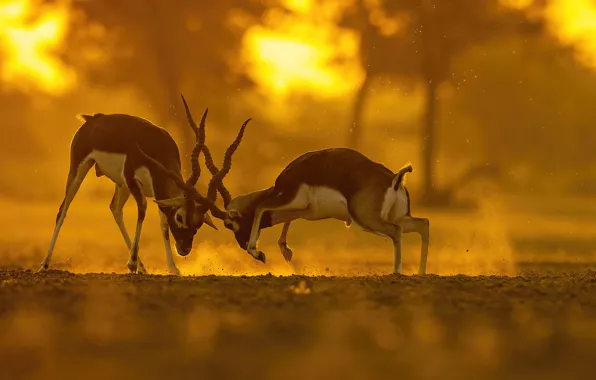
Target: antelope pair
{"points": [[143, 160]]}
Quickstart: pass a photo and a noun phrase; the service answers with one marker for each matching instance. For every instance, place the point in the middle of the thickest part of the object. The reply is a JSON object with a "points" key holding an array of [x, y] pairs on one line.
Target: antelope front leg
{"points": [[422, 227], [279, 203], [166, 238], [251, 247], [121, 195], [136, 192], [283, 244]]}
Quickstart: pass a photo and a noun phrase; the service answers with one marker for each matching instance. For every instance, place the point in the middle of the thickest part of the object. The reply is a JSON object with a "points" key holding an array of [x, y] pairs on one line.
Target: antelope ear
{"points": [[172, 202], [208, 221]]}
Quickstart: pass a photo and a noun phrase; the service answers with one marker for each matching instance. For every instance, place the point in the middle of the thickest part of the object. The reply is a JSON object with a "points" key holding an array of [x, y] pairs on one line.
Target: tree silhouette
{"points": [[428, 37], [163, 50]]}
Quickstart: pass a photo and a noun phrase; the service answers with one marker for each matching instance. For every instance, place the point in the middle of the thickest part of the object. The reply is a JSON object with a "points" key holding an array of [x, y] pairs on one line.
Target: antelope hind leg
{"points": [[73, 184], [422, 227], [365, 214]]}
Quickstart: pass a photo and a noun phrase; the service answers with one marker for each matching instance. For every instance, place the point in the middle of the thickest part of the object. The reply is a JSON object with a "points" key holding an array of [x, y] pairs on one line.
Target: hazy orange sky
{"points": [[290, 53], [30, 47]]}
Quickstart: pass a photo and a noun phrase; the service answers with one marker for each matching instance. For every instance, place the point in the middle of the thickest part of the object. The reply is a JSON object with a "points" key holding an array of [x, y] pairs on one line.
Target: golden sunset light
{"points": [[297, 189], [574, 22], [295, 53], [30, 46]]}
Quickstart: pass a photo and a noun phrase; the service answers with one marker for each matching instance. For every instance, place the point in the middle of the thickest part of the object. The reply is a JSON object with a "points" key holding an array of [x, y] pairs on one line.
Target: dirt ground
{"points": [[61, 325], [511, 294]]}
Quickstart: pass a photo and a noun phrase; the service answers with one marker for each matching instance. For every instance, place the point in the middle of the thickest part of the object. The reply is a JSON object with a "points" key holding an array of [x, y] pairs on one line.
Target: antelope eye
{"points": [[179, 218], [233, 214]]}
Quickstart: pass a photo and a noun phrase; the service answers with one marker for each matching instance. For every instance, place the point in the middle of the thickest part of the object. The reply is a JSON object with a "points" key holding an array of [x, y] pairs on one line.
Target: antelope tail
{"points": [[399, 177], [87, 118]]}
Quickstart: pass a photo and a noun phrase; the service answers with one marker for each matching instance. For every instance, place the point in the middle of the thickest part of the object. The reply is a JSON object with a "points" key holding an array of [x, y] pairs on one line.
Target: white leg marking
{"points": [[165, 231], [71, 191], [283, 243]]}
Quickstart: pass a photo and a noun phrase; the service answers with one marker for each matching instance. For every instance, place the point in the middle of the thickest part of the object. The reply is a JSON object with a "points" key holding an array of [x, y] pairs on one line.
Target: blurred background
{"points": [[491, 101]]}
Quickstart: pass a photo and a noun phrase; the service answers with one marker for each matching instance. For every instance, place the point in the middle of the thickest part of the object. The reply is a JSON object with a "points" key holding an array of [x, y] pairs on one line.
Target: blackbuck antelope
{"points": [[133, 153], [338, 184], [335, 183]]}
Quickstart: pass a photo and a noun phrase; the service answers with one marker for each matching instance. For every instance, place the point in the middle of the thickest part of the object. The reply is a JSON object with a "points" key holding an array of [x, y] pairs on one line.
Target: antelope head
{"points": [[184, 214], [240, 213], [188, 212]]}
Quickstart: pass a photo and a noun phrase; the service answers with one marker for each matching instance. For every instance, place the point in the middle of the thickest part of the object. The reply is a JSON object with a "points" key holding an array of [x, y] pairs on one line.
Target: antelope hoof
{"points": [[261, 257], [141, 268], [252, 249], [43, 268], [132, 266], [174, 271], [286, 252]]}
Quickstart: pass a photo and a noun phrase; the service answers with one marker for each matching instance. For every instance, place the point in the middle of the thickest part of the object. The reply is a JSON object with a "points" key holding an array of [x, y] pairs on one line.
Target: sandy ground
{"points": [[510, 295], [60, 325]]}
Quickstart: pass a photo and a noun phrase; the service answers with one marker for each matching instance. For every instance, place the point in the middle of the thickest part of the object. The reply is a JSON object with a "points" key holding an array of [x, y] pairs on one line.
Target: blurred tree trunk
{"points": [[428, 138], [170, 110], [166, 71], [355, 130]]}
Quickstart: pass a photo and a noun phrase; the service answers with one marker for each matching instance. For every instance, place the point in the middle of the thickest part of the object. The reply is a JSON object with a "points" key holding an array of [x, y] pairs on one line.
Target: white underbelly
{"points": [[327, 203], [313, 203], [112, 166]]}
